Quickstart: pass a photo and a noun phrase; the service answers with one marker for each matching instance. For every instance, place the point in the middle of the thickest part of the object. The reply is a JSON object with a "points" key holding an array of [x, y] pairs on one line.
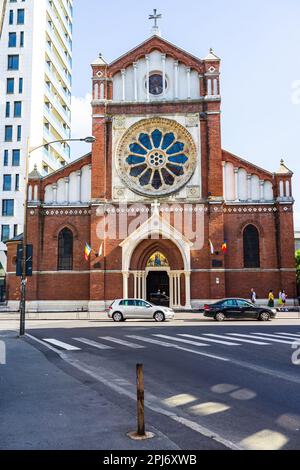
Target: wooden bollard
{"points": [[141, 433], [140, 400]]}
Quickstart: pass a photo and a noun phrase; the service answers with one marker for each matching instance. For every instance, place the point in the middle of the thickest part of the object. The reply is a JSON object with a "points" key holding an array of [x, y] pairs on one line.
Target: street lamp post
{"points": [[88, 140]]}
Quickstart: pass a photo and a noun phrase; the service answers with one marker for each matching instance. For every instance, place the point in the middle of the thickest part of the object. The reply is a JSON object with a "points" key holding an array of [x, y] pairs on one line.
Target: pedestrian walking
{"points": [[271, 299], [253, 296], [283, 297], [280, 303]]}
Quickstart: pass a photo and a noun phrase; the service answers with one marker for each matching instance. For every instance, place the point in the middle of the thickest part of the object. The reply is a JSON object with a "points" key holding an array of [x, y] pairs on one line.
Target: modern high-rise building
{"points": [[35, 91]]}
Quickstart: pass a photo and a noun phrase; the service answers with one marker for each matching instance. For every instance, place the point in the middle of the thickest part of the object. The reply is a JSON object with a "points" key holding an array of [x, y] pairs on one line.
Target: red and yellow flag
{"points": [[224, 247], [87, 251]]}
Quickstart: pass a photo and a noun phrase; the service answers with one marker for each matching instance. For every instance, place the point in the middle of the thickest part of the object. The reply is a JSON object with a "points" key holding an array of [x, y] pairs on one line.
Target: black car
{"points": [[238, 309]]}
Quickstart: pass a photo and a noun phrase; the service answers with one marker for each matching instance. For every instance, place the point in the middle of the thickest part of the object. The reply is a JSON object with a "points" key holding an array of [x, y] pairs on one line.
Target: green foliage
{"points": [[298, 266]]}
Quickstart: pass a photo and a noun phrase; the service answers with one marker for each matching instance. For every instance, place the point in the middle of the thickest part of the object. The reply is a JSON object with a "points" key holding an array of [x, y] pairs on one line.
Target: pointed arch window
{"points": [[251, 247], [65, 250]]}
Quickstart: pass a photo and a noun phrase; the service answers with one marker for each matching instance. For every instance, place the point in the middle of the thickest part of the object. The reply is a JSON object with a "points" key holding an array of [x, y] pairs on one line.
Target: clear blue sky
{"points": [[258, 42]]}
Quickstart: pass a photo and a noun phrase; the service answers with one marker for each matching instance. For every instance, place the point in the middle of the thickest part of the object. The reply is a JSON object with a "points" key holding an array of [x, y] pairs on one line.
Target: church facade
{"points": [[158, 204]]}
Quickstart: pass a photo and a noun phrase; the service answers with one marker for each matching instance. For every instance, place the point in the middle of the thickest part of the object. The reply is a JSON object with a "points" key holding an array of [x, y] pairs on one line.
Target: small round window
{"points": [[156, 84]]}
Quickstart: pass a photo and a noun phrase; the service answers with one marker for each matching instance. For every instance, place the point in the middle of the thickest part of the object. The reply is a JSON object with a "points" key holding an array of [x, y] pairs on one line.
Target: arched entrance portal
{"points": [[158, 277], [157, 283], [157, 265]]}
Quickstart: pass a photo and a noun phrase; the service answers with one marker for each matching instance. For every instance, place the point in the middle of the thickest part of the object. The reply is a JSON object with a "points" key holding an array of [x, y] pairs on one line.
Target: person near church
{"points": [[283, 297], [280, 303], [253, 296], [271, 299]]}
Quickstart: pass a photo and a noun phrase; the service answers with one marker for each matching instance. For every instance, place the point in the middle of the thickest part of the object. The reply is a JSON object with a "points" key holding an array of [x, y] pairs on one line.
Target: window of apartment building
{"points": [[11, 16], [22, 39], [16, 230], [17, 109], [10, 85], [5, 233], [7, 207], [7, 109], [12, 39], [20, 85], [5, 158], [16, 157], [19, 133], [13, 62], [21, 16], [8, 133], [17, 183], [6, 182]]}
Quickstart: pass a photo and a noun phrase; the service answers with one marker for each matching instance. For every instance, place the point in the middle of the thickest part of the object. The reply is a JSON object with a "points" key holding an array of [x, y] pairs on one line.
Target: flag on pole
{"points": [[100, 250], [212, 250], [224, 247], [87, 251]]}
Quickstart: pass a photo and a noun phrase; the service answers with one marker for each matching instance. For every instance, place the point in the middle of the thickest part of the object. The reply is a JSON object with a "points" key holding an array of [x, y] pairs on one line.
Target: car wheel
{"points": [[117, 316], [159, 316], [219, 316], [264, 316]]}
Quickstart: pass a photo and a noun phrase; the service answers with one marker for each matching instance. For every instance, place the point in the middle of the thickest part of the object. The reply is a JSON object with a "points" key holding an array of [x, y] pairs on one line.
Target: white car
{"points": [[121, 309]]}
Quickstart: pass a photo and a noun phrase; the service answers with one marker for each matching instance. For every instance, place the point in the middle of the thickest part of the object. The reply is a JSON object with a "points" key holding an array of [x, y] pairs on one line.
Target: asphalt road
{"points": [[236, 382]]}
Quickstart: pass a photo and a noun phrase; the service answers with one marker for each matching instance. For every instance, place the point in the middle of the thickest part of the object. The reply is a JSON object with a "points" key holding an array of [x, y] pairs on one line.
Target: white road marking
{"points": [[239, 339], [175, 346], [280, 336], [93, 343], [122, 341], [66, 346], [227, 343], [173, 338], [259, 337], [152, 402], [289, 334]]}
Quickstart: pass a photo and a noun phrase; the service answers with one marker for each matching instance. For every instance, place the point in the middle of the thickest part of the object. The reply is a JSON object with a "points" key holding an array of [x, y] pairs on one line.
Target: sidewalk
{"points": [[42, 407], [47, 404]]}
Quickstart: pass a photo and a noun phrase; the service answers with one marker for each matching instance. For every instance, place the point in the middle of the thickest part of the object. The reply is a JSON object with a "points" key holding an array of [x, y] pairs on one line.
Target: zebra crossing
{"points": [[179, 341]]}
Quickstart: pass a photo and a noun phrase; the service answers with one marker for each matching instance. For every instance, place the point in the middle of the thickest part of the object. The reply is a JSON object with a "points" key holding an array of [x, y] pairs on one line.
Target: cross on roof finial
{"points": [[156, 16]]}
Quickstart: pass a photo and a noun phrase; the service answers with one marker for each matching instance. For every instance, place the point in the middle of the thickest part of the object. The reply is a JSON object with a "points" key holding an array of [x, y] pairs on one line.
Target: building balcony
{"points": [[52, 78], [63, 16], [63, 151], [59, 48], [50, 160], [67, 42], [60, 70], [65, 115], [64, 133]]}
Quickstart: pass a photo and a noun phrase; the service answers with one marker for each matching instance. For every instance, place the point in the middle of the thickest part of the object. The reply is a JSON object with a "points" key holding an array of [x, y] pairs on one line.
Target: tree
{"points": [[298, 269]]}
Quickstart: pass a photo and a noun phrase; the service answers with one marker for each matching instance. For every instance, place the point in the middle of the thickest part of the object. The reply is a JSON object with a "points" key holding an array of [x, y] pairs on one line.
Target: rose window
{"points": [[156, 157]]}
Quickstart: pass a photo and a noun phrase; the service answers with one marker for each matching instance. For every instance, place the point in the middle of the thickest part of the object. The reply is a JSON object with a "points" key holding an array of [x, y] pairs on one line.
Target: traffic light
{"points": [[29, 255]]}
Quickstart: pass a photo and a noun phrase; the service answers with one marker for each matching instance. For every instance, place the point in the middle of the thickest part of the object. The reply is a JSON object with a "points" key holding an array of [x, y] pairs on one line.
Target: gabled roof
{"points": [[212, 55], [155, 42], [248, 164], [99, 61], [35, 175], [283, 169]]}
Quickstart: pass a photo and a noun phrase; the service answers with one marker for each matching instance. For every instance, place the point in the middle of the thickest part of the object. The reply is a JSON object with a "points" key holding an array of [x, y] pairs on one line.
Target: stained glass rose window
{"points": [[156, 157]]}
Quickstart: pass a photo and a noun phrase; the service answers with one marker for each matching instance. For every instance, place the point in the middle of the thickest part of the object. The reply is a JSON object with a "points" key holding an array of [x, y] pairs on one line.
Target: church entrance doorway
{"points": [[158, 287]]}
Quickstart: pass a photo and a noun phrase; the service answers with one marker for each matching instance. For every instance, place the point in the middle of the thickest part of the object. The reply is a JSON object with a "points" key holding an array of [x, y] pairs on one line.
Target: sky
{"points": [[258, 42]]}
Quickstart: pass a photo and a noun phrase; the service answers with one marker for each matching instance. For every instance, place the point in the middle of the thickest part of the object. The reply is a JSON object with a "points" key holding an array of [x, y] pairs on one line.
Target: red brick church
{"points": [[161, 204]]}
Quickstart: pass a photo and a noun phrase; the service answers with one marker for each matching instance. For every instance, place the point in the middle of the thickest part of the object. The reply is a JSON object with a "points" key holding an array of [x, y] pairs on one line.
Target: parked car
{"points": [[159, 299], [121, 309], [238, 309]]}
